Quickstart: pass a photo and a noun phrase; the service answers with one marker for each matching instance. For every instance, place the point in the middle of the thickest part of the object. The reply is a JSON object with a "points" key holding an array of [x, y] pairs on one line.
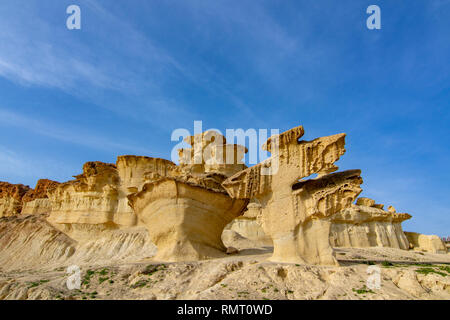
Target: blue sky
{"points": [[139, 69]]}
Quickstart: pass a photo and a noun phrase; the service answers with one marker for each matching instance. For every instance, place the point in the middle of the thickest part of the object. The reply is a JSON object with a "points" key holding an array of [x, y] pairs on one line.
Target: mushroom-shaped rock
{"points": [[186, 211], [185, 219]]}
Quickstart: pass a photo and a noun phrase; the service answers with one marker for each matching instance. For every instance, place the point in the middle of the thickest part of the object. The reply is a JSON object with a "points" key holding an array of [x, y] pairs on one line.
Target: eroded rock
{"points": [[296, 214]]}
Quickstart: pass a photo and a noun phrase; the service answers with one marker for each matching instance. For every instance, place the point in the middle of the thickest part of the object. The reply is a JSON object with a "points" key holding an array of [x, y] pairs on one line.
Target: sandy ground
{"points": [[246, 275], [34, 258]]}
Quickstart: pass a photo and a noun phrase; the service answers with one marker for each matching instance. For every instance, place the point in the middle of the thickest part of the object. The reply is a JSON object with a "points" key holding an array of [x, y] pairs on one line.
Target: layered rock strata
{"points": [[97, 198], [36, 201], [89, 199], [368, 226]]}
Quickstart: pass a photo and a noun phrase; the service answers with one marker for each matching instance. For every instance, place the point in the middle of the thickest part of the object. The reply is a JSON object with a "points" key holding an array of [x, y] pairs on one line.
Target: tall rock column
{"points": [[295, 214]]}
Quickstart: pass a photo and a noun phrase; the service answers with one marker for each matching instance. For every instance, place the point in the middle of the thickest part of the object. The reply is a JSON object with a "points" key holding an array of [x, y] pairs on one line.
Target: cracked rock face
{"points": [[296, 214]]}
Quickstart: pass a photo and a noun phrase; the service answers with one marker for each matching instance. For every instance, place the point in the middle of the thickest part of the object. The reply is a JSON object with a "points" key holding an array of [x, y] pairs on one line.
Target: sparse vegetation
{"points": [[36, 283], [363, 290], [101, 280], [103, 272], [140, 284], [429, 270], [153, 268]]}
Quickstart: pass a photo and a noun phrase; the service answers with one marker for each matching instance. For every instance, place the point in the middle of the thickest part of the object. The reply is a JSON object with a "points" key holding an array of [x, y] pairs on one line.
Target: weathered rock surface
{"points": [[367, 226], [11, 198], [211, 154], [89, 199], [296, 214], [427, 243], [362, 201]]}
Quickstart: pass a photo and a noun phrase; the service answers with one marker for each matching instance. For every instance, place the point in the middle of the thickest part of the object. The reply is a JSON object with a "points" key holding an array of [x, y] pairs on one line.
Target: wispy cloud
{"points": [[72, 135], [35, 52]]}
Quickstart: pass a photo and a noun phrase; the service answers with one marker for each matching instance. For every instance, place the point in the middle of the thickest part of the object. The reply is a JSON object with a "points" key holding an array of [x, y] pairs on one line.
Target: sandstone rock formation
{"points": [[11, 198], [365, 225], [36, 201], [97, 198], [427, 243], [296, 214], [187, 211], [90, 199], [121, 211], [134, 172]]}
